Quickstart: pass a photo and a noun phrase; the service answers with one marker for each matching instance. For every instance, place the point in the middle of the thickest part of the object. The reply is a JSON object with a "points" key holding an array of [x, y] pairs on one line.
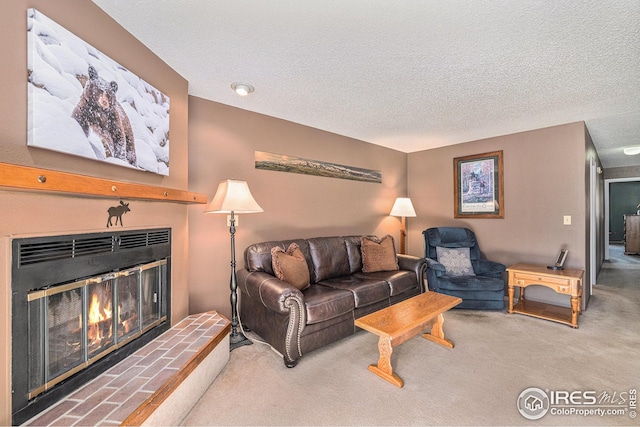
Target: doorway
{"points": [[607, 212]]}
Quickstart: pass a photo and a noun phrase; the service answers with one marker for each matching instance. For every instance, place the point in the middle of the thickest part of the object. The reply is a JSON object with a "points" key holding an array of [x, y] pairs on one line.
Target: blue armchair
{"points": [[454, 267]]}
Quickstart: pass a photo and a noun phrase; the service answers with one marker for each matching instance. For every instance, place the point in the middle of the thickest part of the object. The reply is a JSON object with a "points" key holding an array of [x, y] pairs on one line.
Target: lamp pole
{"points": [[237, 338], [403, 236]]}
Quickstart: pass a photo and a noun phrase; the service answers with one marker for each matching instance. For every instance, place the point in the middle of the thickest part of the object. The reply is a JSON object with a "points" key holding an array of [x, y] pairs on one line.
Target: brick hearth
{"points": [[131, 392]]}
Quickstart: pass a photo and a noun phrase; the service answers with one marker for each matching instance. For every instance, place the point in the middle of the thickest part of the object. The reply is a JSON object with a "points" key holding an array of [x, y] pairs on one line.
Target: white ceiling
{"points": [[410, 75]]}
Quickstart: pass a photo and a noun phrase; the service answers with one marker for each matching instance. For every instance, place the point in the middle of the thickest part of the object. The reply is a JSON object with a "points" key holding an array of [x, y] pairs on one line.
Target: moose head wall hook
{"points": [[117, 211]]}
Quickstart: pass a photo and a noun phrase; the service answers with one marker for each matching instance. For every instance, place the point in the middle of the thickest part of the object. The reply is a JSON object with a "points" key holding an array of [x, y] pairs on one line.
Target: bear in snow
{"points": [[99, 111]]}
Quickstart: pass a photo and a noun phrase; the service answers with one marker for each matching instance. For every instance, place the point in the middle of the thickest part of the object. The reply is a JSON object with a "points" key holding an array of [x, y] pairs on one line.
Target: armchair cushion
{"points": [[456, 261], [378, 255], [470, 284], [290, 266]]}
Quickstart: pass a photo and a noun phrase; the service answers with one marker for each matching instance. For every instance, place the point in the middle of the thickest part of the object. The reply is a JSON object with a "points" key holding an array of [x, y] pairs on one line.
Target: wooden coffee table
{"points": [[399, 322]]}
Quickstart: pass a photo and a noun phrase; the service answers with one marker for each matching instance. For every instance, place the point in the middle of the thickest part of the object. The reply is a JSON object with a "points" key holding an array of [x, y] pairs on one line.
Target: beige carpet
{"points": [[496, 357]]}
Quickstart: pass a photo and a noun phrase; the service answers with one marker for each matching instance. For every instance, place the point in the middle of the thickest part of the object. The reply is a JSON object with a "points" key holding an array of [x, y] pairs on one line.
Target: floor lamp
{"points": [[234, 197], [403, 208]]}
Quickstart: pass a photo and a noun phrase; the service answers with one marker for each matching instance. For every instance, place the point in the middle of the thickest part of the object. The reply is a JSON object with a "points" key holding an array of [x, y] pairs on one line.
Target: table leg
{"points": [[437, 334], [510, 298], [575, 309], [383, 369]]}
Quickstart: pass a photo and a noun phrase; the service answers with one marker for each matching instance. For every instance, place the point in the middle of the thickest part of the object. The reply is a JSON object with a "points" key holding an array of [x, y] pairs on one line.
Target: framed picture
{"points": [[478, 186], [83, 103]]}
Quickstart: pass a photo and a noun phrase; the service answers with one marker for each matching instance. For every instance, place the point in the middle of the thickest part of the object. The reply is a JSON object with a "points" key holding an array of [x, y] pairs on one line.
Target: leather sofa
{"points": [[295, 322]]}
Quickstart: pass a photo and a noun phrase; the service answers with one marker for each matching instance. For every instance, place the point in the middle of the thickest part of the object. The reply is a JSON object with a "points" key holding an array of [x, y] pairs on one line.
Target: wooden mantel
{"points": [[29, 178]]}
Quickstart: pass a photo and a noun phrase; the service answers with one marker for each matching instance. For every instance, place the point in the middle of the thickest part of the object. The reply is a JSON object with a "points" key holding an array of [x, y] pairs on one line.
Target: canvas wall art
{"points": [[283, 163], [81, 102]]}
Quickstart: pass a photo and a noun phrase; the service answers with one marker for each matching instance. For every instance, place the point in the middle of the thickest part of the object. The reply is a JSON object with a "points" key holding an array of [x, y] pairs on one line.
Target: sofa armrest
{"points": [[274, 293], [278, 312], [484, 267], [412, 263]]}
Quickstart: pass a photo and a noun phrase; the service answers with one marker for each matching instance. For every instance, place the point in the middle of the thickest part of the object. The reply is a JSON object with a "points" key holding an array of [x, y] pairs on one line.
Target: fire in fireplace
{"points": [[82, 303]]}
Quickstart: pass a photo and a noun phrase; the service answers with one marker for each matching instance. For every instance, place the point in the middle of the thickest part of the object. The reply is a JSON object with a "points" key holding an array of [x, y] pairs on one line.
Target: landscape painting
{"points": [[282, 163], [83, 103]]}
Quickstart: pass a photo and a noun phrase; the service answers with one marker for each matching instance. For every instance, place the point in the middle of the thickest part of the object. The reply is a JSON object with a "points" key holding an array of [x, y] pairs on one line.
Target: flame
{"points": [[98, 314], [95, 315]]}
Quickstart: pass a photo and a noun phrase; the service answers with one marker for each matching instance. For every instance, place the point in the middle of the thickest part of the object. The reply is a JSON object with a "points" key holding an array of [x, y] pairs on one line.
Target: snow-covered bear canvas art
{"points": [[81, 102]]}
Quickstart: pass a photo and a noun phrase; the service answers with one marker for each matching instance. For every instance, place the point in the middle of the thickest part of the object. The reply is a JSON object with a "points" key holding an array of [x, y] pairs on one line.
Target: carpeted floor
{"points": [[496, 357]]}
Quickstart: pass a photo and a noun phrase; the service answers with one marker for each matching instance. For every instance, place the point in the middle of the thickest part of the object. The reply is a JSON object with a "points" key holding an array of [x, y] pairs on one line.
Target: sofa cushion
{"points": [[329, 258], [456, 260], [290, 266], [378, 254], [366, 290], [399, 281], [323, 303], [354, 252]]}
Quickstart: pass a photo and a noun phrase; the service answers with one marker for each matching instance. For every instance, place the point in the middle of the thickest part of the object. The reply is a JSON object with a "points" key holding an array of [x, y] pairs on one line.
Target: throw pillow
{"points": [[290, 266], [378, 254], [457, 261]]}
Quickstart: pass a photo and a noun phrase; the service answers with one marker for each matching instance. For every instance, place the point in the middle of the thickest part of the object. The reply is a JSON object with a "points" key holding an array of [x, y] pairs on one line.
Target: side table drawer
{"points": [[559, 284]]}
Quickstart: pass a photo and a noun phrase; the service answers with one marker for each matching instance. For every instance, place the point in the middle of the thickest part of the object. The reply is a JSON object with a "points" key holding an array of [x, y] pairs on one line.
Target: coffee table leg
{"points": [[383, 369], [437, 334]]}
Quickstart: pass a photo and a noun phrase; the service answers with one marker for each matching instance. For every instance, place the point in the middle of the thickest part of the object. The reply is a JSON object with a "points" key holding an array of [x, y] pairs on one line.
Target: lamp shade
{"points": [[403, 207], [233, 196]]}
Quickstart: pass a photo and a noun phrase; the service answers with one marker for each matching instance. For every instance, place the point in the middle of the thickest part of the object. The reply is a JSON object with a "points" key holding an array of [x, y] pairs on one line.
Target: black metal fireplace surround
{"points": [[80, 304]]}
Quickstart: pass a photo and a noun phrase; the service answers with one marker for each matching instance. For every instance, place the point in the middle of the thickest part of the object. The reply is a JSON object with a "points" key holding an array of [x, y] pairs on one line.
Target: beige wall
{"points": [[222, 144], [30, 213], [544, 179], [622, 172]]}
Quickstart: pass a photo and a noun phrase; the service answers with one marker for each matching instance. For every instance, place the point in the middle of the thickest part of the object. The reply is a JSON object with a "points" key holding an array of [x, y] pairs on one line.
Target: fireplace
{"points": [[80, 304]]}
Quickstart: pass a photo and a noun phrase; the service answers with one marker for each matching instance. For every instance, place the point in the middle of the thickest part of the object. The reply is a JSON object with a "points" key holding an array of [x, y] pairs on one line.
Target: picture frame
{"points": [[478, 182], [562, 257]]}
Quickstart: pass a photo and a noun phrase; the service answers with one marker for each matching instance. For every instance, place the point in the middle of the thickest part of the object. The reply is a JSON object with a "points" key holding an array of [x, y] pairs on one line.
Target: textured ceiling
{"points": [[410, 75]]}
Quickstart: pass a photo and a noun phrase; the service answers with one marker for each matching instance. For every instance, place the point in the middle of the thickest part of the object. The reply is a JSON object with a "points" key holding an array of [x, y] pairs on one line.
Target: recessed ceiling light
{"points": [[242, 89], [630, 151]]}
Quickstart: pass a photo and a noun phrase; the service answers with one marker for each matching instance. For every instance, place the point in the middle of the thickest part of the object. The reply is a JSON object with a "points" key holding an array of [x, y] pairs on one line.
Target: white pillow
{"points": [[457, 261]]}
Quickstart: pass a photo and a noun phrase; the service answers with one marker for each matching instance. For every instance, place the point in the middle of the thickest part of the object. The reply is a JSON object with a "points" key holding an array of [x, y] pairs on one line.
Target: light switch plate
{"points": [[567, 220]]}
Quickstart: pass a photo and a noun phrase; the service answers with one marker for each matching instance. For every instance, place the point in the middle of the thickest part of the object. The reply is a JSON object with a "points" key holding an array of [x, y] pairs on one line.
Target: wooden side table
{"points": [[567, 282]]}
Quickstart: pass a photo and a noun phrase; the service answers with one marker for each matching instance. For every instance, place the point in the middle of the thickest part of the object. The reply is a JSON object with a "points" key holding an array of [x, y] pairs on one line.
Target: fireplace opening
{"points": [[66, 332]]}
